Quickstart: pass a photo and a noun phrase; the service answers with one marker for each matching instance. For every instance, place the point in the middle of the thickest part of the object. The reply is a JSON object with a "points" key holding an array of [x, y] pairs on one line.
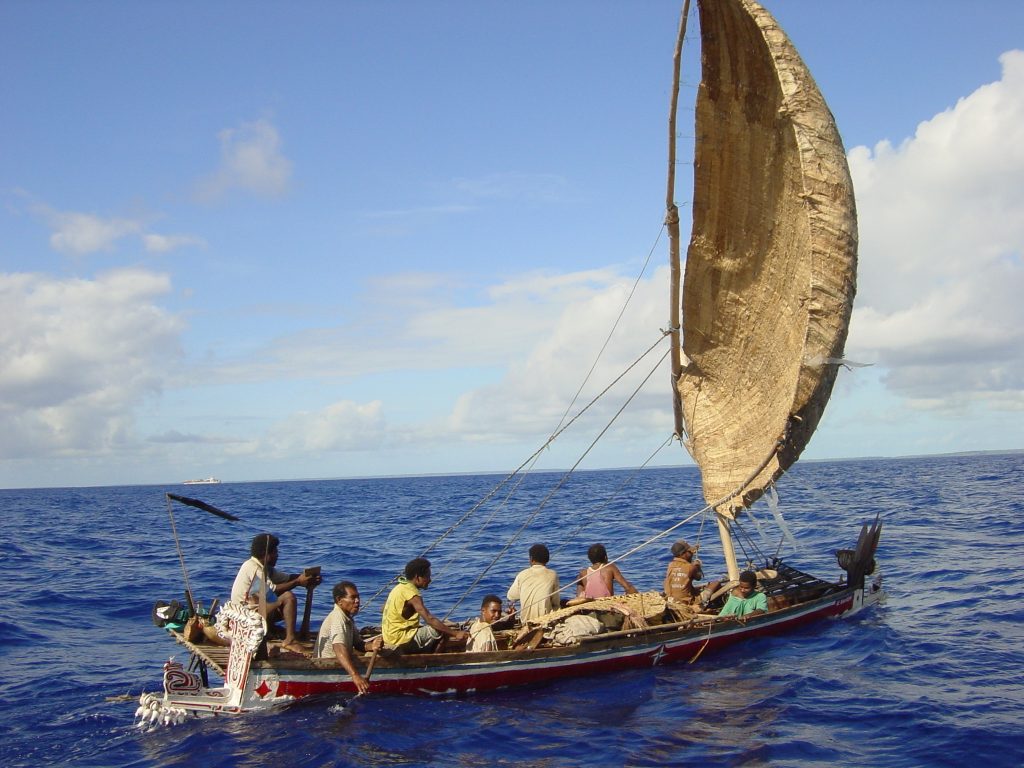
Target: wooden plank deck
{"points": [[216, 656]]}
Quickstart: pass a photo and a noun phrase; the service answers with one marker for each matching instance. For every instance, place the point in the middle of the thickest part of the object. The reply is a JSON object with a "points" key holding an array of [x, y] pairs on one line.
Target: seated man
{"points": [[744, 600], [481, 634], [338, 634], [536, 587], [404, 608], [681, 574], [599, 579], [258, 576]]}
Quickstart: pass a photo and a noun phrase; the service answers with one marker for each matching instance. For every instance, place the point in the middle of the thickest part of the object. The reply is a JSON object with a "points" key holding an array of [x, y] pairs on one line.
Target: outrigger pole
{"points": [[177, 543]]}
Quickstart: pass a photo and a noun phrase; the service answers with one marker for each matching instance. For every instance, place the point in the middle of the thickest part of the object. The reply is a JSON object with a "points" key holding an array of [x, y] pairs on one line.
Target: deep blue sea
{"points": [[934, 677]]}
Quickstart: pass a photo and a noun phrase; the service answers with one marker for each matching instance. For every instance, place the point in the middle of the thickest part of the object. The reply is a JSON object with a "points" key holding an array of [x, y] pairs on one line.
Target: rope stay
{"points": [[702, 512], [565, 477], [532, 458], [181, 556], [571, 536], [532, 461]]}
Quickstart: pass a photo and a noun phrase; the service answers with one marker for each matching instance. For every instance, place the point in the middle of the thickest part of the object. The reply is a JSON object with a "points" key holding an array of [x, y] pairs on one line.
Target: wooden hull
{"points": [[255, 684], [452, 674]]}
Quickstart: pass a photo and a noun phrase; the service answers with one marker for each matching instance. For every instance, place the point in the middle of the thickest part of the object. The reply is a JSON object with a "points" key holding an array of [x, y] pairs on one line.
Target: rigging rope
{"points": [[615, 325], [561, 427], [181, 556], [565, 477], [632, 476], [532, 461], [532, 457], [728, 497], [707, 508]]}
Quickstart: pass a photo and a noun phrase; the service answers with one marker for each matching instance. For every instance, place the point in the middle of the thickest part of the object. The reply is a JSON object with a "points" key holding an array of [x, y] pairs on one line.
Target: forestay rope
{"points": [[533, 456], [707, 508], [568, 474], [523, 470]]}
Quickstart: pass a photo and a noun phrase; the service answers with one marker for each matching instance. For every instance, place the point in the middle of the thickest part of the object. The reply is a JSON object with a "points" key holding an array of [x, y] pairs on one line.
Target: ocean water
{"points": [[933, 677]]}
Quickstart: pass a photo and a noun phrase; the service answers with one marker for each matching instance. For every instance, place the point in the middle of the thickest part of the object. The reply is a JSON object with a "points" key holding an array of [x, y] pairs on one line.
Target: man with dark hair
{"points": [[536, 587], [338, 635], [404, 608], [599, 579], [682, 574], [744, 600], [481, 634], [258, 576]]}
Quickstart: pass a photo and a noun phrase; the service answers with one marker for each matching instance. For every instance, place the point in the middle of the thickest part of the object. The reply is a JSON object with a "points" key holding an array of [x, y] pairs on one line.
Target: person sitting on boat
{"points": [[404, 608], [536, 587], [682, 573], [599, 579], [481, 633], [338, 636], [252, 580], [745, 600]]}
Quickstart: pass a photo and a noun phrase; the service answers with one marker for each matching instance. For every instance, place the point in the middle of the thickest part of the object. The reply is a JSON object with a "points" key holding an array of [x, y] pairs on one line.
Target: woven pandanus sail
{"points": [[770, 270]]}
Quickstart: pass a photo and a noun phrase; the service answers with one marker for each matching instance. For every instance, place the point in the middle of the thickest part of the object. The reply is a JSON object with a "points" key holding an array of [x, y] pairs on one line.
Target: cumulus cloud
{"points": [[341, 426], [155, 243], [424, 322], [543, 377], [84, 233], [543, 332], [251, 160], [534, 337], [80, 234], [942, 251], [77, 356], [173, 436]]}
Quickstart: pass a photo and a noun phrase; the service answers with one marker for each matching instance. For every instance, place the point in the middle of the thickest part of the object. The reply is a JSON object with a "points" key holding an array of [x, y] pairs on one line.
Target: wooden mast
{"points": [[672, 222]]}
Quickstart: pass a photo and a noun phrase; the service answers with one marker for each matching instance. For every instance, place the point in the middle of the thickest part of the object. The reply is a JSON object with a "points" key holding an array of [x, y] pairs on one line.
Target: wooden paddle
{"points": [[308, 609], [369, 671], [373, 660]]}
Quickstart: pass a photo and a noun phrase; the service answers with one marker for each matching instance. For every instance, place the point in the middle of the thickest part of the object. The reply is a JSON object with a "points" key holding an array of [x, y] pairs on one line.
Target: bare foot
{"points": [[293, 647]]}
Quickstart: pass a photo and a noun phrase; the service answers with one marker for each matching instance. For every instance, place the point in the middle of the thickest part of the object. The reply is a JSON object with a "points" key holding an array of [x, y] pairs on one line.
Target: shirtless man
{"points": [[280, 599], [404, 609], [599, 579]]}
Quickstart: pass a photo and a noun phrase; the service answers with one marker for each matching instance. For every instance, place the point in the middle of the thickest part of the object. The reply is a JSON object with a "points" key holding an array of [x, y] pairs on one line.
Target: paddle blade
{"points": [[202, 505]]}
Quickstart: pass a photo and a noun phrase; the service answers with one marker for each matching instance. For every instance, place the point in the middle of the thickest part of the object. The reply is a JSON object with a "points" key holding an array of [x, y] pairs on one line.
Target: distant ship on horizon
{"points": [[202, 481]]}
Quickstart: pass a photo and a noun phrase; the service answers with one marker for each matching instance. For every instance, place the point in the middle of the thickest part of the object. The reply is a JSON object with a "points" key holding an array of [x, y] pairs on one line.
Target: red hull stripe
{"points": [[464, 678]]}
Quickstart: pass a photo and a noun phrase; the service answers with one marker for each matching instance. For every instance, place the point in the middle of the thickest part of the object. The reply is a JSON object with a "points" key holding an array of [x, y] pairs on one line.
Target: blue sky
{"points": [[266, 240]]}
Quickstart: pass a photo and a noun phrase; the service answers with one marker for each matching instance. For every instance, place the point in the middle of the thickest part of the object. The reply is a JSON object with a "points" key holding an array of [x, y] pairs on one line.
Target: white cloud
{"points": [[251, 160], [540, 332], [84, 233], [81, 234], [942, 240], [341, 426], [77, 356], [422, 322], [173, 437], [544, 376], [155, 243]]}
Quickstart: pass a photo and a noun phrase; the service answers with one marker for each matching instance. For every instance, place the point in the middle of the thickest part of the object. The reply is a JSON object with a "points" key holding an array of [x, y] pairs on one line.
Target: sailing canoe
{"points": [[770, 278]]}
